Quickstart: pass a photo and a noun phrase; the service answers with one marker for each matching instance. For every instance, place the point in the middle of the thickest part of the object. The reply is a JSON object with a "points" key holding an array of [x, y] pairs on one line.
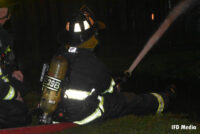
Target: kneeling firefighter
{"points": [[88, 90], [13, 111]]}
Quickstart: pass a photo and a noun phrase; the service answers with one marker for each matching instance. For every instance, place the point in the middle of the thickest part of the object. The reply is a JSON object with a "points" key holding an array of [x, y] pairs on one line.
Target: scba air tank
{"points": [[52, 88]]}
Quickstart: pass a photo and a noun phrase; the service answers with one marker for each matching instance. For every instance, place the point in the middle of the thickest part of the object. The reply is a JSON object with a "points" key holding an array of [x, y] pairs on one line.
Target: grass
{"points": [[152, 124]]}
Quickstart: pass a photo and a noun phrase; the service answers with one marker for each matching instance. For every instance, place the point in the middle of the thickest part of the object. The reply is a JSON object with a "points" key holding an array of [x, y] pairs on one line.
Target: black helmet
{"points": [[80, 27]]}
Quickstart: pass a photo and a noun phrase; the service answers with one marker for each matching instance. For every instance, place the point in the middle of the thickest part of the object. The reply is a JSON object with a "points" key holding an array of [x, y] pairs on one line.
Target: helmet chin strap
{"points": [[90, 44]]}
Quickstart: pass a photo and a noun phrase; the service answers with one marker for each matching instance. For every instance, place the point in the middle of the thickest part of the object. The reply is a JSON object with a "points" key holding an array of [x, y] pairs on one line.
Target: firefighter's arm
{"points": [[8, 92], [121, 81], [9, 61], [16, 73]]}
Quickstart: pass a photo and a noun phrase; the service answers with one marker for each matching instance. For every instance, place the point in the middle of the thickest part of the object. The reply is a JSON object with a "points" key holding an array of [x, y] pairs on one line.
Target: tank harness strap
{"points": [[161, 103]]}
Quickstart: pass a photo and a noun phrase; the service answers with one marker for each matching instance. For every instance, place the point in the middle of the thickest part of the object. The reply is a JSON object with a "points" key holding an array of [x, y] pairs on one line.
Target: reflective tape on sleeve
{"points": [[95, 115], [10, 95], [111, 88], [8, 49], [77, 94], [161, 103], [5, 78], [101, 101]]}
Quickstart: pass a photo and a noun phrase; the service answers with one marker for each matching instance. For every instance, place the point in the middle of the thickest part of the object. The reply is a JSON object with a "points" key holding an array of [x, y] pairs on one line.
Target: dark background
{"points": [[36, 23]]}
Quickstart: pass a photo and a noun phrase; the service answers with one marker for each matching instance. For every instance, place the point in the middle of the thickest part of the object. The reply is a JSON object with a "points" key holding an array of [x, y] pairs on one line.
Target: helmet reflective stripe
{"points": [[95, 115], [10, 95], [160, 101], [86, 25], [77, 27], [111, 88], [77, 94]]}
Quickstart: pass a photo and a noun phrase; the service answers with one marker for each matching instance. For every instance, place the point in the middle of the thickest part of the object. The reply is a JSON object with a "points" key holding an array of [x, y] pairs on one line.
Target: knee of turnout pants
{"points": [[13, 114], [120, 104]]}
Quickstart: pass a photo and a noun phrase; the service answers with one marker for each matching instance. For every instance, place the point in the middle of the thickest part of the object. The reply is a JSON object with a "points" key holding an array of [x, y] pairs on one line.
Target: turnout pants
{"points": [[120, 104], [13, 114]]}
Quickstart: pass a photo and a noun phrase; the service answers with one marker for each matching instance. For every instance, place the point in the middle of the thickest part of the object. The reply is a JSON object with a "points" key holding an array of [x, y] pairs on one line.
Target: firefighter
{"points": [[89, 92], [6, 42], [13, 111]]}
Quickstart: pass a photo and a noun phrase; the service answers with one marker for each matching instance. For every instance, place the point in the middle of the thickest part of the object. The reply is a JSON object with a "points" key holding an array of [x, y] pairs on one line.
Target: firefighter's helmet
{"points": [[80, 27]]}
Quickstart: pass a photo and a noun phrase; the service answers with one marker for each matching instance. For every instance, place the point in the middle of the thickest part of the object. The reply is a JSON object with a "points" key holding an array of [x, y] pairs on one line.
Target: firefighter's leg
{"points": [[145, 103], [149, 103], [14, 114], [120, 104], [114, 105]]}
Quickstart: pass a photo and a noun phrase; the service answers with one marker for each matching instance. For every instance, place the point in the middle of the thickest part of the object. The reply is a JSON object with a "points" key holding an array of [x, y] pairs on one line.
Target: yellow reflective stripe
{"points": [[94, 115], [160, 102], [111, 88], [8, 49], [82, 95], [5, 78], [101, 99], [77, 94], [10, 95], [1, 71]]}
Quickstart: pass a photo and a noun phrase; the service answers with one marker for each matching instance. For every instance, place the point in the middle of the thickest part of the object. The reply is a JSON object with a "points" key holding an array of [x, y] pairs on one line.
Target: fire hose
{"points": [[41, 129], [173, 15]]}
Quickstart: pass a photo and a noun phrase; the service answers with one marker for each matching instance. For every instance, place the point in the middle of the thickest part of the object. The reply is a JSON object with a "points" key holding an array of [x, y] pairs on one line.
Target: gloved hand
{"points": [[121, 80], [17, 74]]}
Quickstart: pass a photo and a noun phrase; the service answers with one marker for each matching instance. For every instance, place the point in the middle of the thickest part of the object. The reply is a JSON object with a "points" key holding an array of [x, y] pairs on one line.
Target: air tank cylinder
{"points": [[52, 88]]}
